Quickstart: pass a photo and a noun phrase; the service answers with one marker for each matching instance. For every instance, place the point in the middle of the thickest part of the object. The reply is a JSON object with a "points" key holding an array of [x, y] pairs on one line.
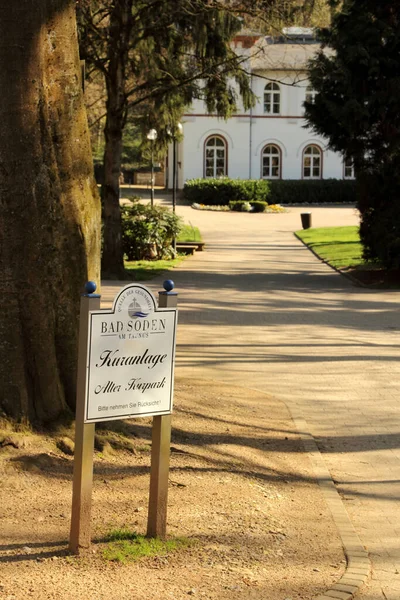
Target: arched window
{"points": [[310, 94], [348, 168], [272, 99], [215, 157], [312, 163], [271, 162]]}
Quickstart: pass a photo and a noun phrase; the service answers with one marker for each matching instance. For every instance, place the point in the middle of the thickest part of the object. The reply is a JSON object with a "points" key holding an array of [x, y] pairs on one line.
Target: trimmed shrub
{"points": [[236, 205], [245, 206], [259, 205], [293, 191], [222, 191], [147, 232]]}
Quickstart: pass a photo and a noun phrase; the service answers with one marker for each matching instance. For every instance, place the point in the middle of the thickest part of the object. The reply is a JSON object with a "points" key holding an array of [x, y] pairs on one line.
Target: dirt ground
{"points": [[241, 490]]}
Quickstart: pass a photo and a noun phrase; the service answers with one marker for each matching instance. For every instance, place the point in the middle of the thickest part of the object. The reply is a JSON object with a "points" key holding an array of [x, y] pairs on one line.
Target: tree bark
{"points": [[49, 208], [112, 254], [119, 44]]}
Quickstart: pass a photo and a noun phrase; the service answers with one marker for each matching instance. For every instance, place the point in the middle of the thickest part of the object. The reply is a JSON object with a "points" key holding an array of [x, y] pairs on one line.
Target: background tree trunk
{"points": [[49, 207], [119, 44], [112, 255]]}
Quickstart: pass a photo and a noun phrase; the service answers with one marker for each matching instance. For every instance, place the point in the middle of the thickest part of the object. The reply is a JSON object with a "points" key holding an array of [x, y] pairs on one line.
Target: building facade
{"points": [[271, 140]]}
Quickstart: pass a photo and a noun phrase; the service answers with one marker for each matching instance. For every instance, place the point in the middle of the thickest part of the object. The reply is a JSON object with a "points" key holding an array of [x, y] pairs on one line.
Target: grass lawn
{"points": [[143, 270], [189, 234], [338, 246], [127, 546]]}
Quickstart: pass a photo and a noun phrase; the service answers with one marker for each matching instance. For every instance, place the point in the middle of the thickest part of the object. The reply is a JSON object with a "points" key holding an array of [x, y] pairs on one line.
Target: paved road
{"points": [[259, 310]]}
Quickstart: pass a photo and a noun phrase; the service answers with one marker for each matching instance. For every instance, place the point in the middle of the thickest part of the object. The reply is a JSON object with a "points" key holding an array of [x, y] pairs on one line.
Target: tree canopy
{"points": [[164, 50], [358, 84], [357, 108]]}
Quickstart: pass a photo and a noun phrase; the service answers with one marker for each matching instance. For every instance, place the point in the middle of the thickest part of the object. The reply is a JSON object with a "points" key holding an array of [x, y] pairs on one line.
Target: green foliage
{"points": [[246, 206], [147, 232], [221, 191], [167, 54], [307, 13], [338, 246], [156, 58], [379, 197], [358, 109], [237, 205], [331, 191], [189, 233], [132, 154], [232, 192], [125, 546], [359, 84], [259, 206]]}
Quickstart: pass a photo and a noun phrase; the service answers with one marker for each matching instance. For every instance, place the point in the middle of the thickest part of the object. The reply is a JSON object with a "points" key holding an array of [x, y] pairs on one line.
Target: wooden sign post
{"points": [[84, 435], [160, 450], [125, 370]]}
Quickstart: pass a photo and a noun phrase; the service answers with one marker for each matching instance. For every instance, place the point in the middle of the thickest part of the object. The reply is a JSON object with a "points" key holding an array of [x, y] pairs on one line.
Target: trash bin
{"points": [[306, 220]]}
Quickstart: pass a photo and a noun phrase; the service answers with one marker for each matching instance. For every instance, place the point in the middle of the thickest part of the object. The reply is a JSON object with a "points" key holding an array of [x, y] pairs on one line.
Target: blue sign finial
{"points": [[90, 287], [168, 285]]}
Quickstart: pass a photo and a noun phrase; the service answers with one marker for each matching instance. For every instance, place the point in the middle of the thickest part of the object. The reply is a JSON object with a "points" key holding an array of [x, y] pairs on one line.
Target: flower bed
{"points": [[273, 208]]}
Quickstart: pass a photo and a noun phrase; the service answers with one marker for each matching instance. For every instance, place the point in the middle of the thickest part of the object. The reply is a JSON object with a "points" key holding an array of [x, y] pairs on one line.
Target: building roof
{"points": [[269, 55], [299, 33]]}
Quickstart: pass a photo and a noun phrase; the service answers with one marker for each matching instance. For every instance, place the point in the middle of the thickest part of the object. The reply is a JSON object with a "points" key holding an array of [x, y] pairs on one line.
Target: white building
{"points": [[269, 141]]}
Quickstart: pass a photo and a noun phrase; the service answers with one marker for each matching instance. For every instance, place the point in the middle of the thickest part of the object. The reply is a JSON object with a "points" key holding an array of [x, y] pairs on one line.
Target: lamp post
{"points": [[177, 130], [173, 132], [152, 136]]}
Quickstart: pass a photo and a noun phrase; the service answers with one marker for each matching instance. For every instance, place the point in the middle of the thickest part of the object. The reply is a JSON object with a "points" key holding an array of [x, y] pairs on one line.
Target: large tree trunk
{"points": [[49, 208], [119, 43]]}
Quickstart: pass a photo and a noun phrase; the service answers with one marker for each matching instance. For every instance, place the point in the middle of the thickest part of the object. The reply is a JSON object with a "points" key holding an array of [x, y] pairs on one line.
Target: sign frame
{"points": [[144, 305], [80, 530]]}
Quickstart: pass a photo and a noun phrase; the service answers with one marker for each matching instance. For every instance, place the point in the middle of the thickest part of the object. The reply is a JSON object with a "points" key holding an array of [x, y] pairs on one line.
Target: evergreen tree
{"points": [[357, 77]]}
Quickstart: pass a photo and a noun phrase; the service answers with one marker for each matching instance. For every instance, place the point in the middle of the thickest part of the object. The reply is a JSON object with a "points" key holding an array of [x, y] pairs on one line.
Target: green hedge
{"points": [[222, 191], [290, 191], [293, 191]]}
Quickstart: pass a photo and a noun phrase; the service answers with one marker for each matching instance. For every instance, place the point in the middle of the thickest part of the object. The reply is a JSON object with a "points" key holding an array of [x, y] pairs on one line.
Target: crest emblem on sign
{"points": [[135, 310], [136, 300]]}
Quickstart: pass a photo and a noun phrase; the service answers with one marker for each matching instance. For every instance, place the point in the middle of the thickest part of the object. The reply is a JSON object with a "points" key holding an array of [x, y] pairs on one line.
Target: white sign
{"points": [[131, 355]]}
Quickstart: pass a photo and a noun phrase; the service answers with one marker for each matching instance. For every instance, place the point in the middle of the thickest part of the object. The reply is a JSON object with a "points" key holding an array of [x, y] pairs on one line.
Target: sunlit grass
{"points": [[189, 233], [338, 246], [125, 546], [143, 270]]}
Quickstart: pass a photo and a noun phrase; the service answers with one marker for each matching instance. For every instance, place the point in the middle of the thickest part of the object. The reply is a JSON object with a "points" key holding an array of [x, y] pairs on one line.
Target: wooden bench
{"points": [[184, 248], [189, 247]]}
